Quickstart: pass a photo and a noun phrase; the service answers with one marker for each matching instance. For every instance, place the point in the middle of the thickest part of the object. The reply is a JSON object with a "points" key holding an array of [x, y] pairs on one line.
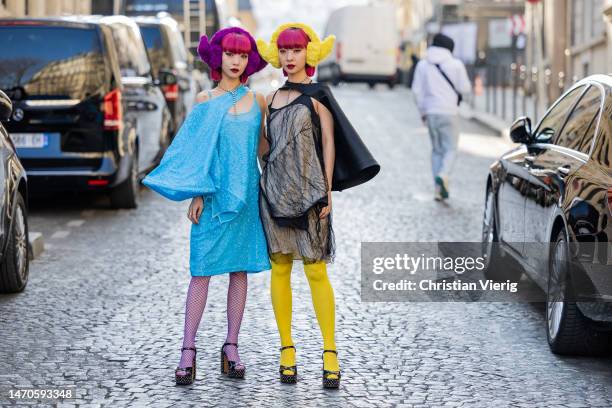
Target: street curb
{"points": [[492, 122], [37, 244]]}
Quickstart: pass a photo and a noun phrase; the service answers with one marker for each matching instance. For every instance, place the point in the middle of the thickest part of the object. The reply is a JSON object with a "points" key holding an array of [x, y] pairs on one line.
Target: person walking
{"points": [[213, 161], [440, 82]]}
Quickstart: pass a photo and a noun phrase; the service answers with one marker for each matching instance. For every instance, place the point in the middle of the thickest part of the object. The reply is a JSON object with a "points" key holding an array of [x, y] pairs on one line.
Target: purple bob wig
{"points": [[233, 39]]}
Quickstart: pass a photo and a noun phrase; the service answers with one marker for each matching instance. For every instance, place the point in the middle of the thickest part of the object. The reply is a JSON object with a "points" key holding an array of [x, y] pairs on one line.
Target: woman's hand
{"points": [[327, 209], [195, 209]]}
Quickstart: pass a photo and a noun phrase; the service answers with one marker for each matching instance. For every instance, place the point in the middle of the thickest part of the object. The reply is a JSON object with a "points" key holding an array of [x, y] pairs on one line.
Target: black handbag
{"points": [[459, 96]]}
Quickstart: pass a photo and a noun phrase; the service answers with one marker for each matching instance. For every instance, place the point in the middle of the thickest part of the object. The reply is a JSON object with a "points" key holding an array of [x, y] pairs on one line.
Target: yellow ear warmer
{"points": [[316, 51]]}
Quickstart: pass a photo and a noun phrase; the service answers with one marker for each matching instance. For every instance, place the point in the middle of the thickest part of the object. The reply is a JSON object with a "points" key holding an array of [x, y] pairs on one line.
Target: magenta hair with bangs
{"points": [[232, 39], [238, 44], [294, 37]]}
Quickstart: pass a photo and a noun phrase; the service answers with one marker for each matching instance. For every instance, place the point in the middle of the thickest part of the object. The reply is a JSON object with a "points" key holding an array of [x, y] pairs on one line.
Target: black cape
{"points": [[354, 163]]}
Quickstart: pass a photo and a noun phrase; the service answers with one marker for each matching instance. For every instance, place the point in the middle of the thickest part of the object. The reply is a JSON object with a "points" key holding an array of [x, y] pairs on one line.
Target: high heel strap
{"points": [[190, 348], [330, 351], [286, 347], [228, 344]]}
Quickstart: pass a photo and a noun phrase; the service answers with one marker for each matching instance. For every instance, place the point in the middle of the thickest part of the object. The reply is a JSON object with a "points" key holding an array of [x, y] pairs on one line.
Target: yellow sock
{"points": [[280, 291], [325, 309]]}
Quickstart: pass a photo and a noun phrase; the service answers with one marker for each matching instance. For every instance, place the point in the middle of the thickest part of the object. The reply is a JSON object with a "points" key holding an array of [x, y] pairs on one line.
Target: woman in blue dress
{"points": [[213, 161]]}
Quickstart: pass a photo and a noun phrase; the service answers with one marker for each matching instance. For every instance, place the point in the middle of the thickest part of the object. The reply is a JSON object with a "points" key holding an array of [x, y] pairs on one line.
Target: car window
{"points": [[580, 127], [133, 60], [154, 41], [69, 68], [552, 123], [602, 150]]}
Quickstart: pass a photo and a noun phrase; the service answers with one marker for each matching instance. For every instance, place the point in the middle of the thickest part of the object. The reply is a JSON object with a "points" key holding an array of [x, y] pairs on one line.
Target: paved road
{"points": [[104, 306]]}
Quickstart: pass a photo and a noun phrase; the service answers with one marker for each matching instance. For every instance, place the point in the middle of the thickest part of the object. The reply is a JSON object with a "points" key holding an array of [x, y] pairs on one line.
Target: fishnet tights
{"points": [[197, 295]]}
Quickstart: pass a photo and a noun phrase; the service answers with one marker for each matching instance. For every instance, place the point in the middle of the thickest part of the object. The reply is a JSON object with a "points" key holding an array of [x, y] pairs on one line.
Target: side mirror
{"points": [[520, 131], [167, 77], [6, 106]]}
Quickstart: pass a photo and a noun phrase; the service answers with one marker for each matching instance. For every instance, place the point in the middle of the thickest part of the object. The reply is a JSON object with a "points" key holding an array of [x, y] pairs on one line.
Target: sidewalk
{"points": [[503, 108], [498, 125]]}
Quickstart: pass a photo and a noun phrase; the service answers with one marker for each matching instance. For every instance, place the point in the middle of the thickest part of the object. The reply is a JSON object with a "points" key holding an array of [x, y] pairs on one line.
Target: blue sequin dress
{"points": [[229, 236]]}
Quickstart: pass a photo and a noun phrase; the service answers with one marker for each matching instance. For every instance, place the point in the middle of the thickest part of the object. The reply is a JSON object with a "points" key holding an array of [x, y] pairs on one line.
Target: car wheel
{"points": [[371, 85], [494, 268], [127, 193], [568, 331], [14, 269]]}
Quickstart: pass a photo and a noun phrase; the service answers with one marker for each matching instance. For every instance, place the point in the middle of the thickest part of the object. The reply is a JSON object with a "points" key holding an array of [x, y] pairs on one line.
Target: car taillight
{"points": [[113, 112], [97, 182], [338, 51], [610, 200], [171, 92]]}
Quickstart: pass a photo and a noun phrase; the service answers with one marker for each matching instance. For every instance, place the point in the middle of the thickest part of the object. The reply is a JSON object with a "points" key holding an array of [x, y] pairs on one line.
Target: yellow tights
{"points": [[322, 300]]}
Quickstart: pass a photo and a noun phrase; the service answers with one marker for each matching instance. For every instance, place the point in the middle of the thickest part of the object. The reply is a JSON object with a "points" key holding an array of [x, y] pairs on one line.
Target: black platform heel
{"points": [[288, 378], [330, 382], [189, 377], [228, 367]]}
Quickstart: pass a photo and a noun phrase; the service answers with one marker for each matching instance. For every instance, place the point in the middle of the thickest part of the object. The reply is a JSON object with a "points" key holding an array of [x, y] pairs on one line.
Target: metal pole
{"points": [[494, 71], [488, 89], [513, 73], [523, 77], [536, 94], [503, 91]]}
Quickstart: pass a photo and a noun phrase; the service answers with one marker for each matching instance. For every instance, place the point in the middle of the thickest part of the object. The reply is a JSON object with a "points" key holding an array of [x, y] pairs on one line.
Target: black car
{"points": [[549, 206], [172, 63], [70, 123], [142, 90], [14, 246]]}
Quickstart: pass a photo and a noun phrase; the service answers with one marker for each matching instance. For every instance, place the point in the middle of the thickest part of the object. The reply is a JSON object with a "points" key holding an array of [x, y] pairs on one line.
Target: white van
{"points": [[366, 48]]}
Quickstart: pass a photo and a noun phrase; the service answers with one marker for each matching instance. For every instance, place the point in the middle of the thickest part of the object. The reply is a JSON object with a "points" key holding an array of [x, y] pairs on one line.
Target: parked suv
{"points": [[142, 90], [70, 123], [171, 63], [14, 247]]}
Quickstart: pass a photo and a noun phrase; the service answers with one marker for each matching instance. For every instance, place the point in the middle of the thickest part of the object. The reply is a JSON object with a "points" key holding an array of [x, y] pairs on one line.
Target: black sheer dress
{"points": [[294, 184]]}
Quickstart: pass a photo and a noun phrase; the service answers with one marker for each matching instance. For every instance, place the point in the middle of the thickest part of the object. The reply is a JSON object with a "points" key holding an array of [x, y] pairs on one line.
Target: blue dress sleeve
{"points": [[190, 166]]}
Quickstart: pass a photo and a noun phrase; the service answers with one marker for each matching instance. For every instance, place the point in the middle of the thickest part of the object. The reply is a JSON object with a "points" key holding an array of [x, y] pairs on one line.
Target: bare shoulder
{"points": [[261, 100], [202, 97], [319, 107], [269, 97]]}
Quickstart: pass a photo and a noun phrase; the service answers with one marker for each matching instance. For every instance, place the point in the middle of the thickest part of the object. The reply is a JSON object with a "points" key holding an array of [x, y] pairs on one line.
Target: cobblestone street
{"points": [[104, 307]]}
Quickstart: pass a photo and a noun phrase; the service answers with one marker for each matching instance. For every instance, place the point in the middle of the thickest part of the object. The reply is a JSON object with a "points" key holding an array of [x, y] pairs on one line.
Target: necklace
{"points": [[301, 82], [234, 93]]}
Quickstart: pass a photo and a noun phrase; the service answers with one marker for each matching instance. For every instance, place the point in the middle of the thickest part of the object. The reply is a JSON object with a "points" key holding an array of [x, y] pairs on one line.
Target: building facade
{"points": [[42, 8]]}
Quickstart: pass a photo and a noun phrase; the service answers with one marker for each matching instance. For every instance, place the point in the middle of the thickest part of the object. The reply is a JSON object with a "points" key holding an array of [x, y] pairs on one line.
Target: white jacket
{"points": [[433, 93]]}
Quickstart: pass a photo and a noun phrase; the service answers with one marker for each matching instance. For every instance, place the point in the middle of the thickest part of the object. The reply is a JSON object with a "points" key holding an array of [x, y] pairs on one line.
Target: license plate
{"points": [[30, 140]]}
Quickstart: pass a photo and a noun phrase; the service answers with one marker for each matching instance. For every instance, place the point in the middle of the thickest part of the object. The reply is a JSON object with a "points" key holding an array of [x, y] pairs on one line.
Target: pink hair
{"points": [[294, 37], [236, 43]]}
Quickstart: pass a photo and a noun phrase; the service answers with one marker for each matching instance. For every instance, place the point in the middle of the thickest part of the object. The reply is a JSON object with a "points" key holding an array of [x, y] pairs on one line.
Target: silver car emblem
{"points": [[18, 114]]}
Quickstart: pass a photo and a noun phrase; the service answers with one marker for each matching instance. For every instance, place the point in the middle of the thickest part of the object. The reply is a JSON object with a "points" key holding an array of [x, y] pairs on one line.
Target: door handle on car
{"points": [[529, 160], [563, 170]]}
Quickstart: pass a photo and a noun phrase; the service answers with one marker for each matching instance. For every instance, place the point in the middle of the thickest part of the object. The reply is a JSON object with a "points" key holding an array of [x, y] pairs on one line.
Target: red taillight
{"points": [[171, 92], [610, 200], [113, 112], [338, 51], [97, 182]]}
